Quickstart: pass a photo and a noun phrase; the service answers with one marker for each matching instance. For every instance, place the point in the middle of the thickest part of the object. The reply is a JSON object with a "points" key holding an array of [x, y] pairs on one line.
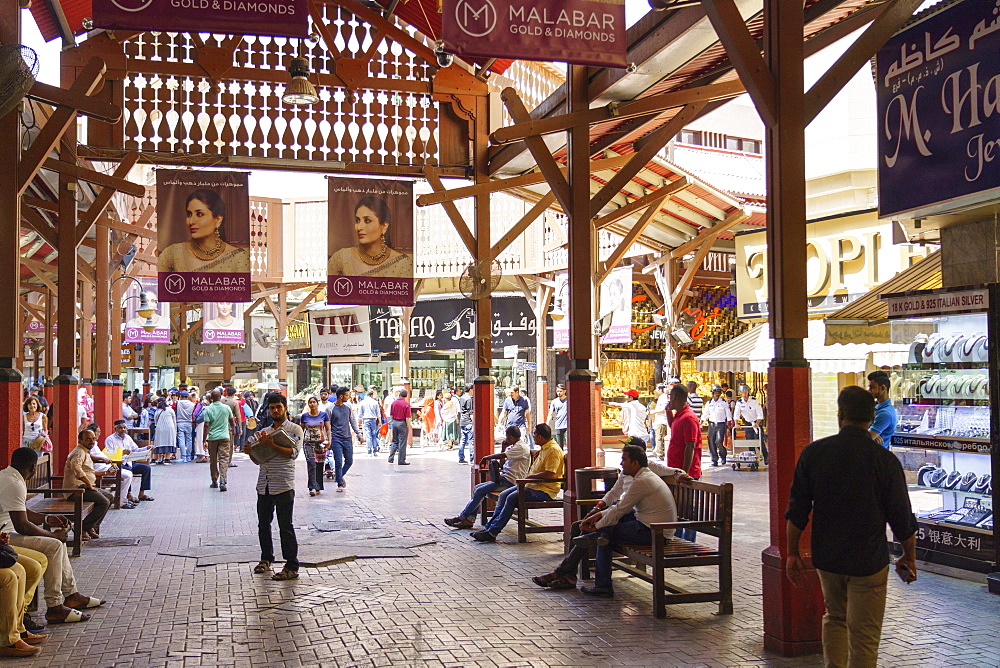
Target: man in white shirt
{"points": [[61, 596], [644, 500], [324, 399], [661, 429], [515, 456], [117, 445], [719, 418], [633, 416], [103, 464], [749, 410], [559, 416], [185, 427]]}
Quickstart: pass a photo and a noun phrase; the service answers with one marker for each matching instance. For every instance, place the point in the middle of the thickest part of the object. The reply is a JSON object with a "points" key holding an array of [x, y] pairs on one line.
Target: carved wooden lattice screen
{"points": [[171, 105]]}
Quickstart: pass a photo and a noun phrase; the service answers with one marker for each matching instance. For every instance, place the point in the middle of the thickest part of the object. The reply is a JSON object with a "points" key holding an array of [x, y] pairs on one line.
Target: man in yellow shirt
{"points": [[548, 468]]}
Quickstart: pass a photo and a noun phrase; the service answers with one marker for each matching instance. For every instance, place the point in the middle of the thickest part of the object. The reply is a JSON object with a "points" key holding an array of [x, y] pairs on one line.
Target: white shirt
{"points": [[660, 411], [749, 410], [649, 496], [717, 410], [518, 461], [449, 410], [621, 485], [633, 417], [13, 495]]}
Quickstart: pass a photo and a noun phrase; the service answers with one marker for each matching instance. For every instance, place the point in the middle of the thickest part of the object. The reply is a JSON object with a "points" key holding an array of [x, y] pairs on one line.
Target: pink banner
{"points": [[134, 332], [203, 233], [281, 18], [370, 242], [585, 32], [223, 323]]}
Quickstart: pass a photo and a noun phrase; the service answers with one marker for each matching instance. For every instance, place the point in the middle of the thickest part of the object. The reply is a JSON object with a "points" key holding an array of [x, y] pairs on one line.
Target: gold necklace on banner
{"points": [[373, 260], [207, 255]]}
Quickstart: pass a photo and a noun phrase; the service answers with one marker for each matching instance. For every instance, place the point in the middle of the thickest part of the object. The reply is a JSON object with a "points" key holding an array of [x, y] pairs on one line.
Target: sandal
{"points": [[312, 492], [73, 617], [85, 536], [262, 567], [545, 580], [146, 498], [285, 574], [563, 582], [91, 603]]}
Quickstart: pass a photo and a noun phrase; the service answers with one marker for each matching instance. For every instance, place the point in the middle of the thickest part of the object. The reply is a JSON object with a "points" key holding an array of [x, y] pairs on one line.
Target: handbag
{"points": [[8, 557], [384, 429], [47, 445], [36, 444], [495, 468]]}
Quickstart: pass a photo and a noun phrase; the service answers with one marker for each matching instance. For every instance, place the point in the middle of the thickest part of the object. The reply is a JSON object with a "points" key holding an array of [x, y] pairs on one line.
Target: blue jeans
{"points": [[467, 438], [185, 441], [507, 504], [371, 426], [628, 530], [343, 456], [479, 493]]}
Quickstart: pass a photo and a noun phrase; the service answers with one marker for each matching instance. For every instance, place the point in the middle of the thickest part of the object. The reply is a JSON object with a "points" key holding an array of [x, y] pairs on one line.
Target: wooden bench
{"points": [[41, 499], [525, 524], [702, 507]]}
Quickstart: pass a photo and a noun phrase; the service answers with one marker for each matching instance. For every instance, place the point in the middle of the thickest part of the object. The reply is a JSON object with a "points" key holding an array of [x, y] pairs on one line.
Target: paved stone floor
{"points": [[456, 603]]}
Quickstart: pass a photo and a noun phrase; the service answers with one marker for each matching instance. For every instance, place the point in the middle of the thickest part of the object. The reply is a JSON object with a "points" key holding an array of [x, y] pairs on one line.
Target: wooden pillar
{"points": [[48, 347], [65, 421], [182, 343], [86, 332], [147, 355], [10, 256], [792, 615], [404, 349], [542, 296], [115, 326], [581, 445], [105, 398], [227, 362], [483, 402], [282, 327]]}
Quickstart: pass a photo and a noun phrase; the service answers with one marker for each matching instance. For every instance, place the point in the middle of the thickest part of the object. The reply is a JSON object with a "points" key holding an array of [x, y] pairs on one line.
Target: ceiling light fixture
{"points": [[300, 91]]}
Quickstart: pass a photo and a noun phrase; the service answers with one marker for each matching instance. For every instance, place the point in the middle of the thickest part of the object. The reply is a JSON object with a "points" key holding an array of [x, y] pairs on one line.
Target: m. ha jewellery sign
{"points": [[585, 32]]}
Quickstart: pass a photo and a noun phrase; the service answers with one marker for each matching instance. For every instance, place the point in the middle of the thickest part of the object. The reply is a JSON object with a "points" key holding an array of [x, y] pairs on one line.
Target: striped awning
{"points": [[753, 350]]}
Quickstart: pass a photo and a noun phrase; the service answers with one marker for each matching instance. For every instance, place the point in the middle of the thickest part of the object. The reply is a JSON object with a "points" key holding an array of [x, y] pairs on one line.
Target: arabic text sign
{"points": [[450, 324], [937, 85], [280, 18], [340, 331], [586, 32]]}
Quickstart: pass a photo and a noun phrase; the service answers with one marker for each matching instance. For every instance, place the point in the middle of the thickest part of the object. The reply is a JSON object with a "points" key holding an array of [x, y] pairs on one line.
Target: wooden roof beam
{"points": [[539, 150], [103, 197], [619, 252], [454, 215], [637, 205]]}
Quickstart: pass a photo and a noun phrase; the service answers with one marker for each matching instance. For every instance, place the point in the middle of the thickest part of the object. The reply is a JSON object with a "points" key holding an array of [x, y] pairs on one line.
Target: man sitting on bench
{"points": [[646, 500], [116, 446], [515, 456], [548, 465], [61, 596]]}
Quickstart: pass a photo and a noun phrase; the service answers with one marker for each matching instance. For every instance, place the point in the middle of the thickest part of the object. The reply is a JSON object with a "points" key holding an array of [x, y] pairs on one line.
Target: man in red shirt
{"points": [[400, 412], [684, 450]]}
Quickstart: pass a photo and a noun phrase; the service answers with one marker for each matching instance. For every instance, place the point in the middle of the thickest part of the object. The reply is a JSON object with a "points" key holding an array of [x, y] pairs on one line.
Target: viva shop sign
{"points": [[280, 18], [938, 97], [585, 32]]}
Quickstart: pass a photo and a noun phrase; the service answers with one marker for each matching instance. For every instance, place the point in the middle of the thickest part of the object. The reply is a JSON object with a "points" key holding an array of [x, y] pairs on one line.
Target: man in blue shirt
{"points": [[516, 411], [341, 425], [559, 415], [370, 414], [884, 424]]}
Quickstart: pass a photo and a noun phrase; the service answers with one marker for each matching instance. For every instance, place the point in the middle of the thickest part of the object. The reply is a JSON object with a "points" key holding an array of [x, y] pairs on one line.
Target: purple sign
{"points": [[281, 18], [203, 235], [370, 242], [223, 323], [134, 323], [937, 87], [586, 32]]}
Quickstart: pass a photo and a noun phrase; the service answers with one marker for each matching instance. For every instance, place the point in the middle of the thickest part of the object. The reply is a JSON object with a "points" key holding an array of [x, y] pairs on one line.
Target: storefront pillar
{"points": [[482, 409], [65, 421], [11, 400], [598, 424], [227, 363], [105, 401], [147, 353], [281, 333]]}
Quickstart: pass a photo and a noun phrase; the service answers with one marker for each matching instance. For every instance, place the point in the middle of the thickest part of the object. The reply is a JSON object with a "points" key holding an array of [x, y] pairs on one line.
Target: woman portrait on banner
{"points": [[159, 320], [373, 255], [206, 248], [225, 318]]}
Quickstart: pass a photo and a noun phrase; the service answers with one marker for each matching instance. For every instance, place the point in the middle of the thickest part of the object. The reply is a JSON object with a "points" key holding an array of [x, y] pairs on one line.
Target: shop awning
{"points": [[752, 351], [863, 320]]}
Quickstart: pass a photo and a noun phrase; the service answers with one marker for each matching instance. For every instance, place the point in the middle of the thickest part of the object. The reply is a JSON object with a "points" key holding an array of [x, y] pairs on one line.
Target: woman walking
{"points": [[34, 424], [165, 443], [200, 453], [430, 436], [315, 437]]}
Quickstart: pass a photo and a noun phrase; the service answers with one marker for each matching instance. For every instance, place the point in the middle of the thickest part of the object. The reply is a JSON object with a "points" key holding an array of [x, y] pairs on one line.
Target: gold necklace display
{"points": [[207, 255], [378, 258]]}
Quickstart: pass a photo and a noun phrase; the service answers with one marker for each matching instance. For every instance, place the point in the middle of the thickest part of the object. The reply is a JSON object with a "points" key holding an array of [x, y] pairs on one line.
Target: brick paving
{"points": [[456, 603]]}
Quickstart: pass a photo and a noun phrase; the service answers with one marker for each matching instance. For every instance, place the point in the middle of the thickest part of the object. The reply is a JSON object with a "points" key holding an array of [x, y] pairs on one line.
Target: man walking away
{"points": [[402, 435], [852, 487], [218, 420], [276, 491], [465, 408], [370, 414], [694, 399], [185, 427], [661, 430]]}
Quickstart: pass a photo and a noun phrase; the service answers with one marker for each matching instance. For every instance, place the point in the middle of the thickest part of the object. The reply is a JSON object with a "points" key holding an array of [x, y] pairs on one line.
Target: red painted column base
{"points": [[11, 400], [483, 417], [106, 405], [581, 445], [792, 615], [65, 423]]}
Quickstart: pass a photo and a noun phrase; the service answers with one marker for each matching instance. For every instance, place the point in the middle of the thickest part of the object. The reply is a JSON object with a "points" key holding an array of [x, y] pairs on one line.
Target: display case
{"points": [[945, 405]]}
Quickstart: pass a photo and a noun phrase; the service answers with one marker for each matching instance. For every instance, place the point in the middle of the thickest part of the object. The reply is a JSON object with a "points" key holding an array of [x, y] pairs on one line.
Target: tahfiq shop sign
{"points": [[938, 96], [584, 32], [280, 18]]}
